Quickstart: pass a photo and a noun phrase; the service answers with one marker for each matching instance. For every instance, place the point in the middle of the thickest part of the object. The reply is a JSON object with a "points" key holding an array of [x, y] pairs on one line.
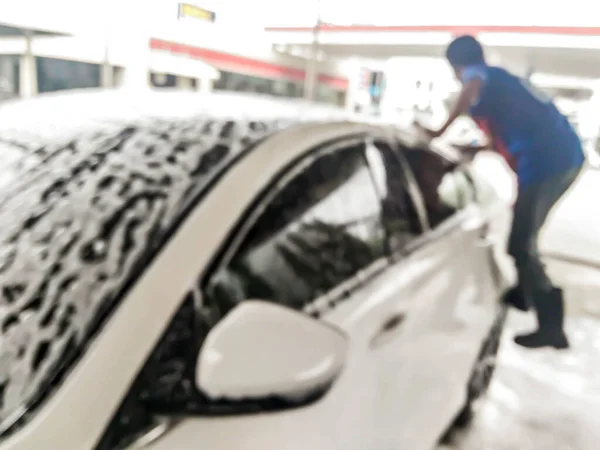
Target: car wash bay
{"points": [[544, 399]]}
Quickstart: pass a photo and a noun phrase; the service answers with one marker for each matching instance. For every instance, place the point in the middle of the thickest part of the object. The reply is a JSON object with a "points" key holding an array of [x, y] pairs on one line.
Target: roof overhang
{"points": [[453, 29], [19, 30], [563, 50]]}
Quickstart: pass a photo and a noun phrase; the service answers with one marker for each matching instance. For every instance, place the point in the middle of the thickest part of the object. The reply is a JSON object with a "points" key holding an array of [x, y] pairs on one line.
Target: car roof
{"points": [[97, 105]]}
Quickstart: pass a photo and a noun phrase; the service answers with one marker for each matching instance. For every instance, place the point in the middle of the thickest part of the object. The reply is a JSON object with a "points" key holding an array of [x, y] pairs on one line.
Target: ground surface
{"points": [[542, 400]]}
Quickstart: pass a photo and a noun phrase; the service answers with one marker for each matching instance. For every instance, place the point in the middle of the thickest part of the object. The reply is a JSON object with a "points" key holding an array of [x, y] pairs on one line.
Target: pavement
{"points": [[541, 400], [573, 227]]}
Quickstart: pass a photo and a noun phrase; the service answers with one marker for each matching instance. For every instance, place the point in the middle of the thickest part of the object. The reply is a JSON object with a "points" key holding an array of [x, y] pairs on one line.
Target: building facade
{"points": [[169, 49]]}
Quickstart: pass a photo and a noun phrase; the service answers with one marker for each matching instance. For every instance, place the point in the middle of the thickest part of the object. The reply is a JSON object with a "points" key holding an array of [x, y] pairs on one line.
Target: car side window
{"points": [[319, 229], [399, 212], [445, 187]]}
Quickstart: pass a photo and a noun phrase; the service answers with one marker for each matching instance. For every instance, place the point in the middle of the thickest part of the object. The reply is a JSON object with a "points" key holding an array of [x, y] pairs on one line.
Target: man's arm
{"points": [[467, 97]]}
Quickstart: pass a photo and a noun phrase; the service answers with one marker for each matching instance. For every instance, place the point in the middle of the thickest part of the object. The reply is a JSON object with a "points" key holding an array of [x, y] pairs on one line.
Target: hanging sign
{"points": [[188, 11]]}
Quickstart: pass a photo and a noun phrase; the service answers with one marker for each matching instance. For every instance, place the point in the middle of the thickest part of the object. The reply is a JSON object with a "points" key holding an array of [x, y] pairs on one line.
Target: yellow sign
{"points": [[186, 10]]}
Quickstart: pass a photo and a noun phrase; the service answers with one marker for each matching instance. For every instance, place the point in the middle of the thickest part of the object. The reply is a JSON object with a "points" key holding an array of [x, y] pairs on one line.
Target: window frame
{"points": [[414, 191], [249, 217], [449, 225]]}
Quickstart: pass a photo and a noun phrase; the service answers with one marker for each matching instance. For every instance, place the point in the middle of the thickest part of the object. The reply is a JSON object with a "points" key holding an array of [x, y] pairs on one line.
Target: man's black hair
{"points": [[465, 51]]}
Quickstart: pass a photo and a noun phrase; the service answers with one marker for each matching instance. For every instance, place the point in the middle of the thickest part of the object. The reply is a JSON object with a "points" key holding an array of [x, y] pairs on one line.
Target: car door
{"points": [[424, 363], [305, 232], [314, 244]]}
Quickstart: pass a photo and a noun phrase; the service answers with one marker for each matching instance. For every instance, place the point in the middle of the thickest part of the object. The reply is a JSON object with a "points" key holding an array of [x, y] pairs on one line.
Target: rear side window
{"points": [[399, 211], [445, 187]]}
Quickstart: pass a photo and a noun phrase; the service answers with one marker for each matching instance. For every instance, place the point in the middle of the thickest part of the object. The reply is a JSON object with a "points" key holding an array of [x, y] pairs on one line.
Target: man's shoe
{"points": [[516, 299], [550, 311], [539, 339]]}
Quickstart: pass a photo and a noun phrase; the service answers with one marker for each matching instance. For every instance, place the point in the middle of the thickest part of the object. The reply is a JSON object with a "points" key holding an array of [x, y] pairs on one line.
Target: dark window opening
{"points": [[445, 187], [9, 76], [230, 81], [163, 80], [58, 74]]}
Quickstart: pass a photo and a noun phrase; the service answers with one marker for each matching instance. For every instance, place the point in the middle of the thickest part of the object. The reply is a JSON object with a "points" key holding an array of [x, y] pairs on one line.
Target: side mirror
{"points": [[261, 350]]}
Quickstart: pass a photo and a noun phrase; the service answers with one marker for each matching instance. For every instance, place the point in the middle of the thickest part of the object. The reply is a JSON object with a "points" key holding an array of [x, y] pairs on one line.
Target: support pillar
{"points": [[28, 86], [205, 85], [107, 76], [182, 82], [108, 79], [311, 75]]}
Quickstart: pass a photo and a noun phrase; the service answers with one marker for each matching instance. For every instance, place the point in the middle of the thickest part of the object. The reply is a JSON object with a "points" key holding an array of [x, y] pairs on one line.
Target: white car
{"points": [[187, 272]]}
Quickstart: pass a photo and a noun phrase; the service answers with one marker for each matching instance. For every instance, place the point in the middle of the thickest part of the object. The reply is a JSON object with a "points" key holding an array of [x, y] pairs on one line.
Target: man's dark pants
{"points": [[531, 210]]}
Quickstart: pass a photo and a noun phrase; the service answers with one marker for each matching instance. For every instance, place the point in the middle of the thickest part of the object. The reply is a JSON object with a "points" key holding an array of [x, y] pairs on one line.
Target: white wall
{"points": [[230, 33], [55, 15], [401, 92]]}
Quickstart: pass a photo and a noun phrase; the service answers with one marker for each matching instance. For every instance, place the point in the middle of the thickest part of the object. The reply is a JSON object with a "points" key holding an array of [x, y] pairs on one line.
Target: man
{"points": [[545, 152]]}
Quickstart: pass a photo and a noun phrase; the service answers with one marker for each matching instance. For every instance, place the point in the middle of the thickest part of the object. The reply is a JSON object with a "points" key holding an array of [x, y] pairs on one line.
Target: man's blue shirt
{"points": [[525, 125]]}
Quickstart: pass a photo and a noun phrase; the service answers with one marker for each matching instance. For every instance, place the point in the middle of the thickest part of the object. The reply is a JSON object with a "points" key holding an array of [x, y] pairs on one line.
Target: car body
{"points": [[135, 225]]}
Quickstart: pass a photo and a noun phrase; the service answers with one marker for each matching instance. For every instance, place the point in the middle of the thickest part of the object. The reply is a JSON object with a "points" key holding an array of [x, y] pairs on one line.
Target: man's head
{"points": [[464, 51]]}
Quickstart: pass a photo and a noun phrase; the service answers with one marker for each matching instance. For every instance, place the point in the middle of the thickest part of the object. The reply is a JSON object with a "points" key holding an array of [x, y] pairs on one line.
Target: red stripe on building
{"points": [[454, 29], [244, 65]]}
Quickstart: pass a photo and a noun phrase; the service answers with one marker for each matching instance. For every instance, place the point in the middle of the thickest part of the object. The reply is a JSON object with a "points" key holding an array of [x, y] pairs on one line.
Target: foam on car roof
{"points": [[79, 220]]}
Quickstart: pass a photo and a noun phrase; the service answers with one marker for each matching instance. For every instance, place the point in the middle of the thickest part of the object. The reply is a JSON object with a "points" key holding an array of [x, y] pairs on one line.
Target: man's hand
{"points": [[466, 148], [470, 151], [428, 131]]}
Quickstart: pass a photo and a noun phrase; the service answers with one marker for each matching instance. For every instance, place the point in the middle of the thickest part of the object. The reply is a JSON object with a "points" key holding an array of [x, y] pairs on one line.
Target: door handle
{"points": [[384, 333], [392, 323]]}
